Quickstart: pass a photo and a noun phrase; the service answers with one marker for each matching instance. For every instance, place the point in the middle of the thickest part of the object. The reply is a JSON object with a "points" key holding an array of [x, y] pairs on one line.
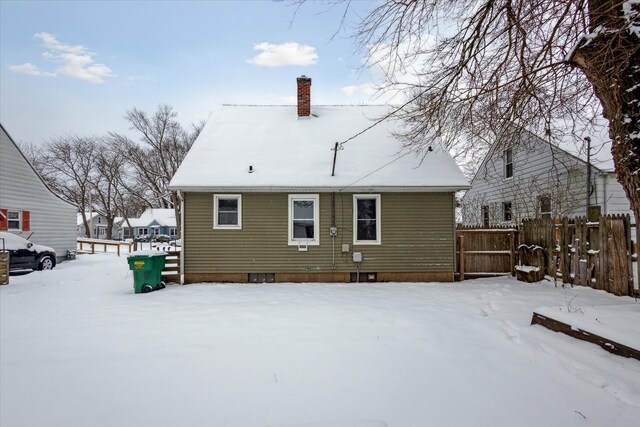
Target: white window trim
{"points": [[504, 164], [316, 220], [9, 220], [217, 226], [378, 219], [504, 205]]}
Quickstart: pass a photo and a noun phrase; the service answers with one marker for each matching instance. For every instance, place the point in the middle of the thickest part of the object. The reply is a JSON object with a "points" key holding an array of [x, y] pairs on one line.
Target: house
{"points": [[266, 196], [153, 221], [99, 223], [533, 178], [28, 207]]}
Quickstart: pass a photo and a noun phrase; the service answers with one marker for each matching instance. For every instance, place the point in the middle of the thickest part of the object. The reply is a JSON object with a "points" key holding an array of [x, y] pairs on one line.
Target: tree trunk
{"points": [[610, 59]]}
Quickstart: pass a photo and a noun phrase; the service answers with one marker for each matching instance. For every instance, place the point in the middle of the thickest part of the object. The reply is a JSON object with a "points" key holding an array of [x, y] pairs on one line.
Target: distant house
{"points": [[28, 207], [99, 227], [153, 221], [260, 201], [534, 178]]}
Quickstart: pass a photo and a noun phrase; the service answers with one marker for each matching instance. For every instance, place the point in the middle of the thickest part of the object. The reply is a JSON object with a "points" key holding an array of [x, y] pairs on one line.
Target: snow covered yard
{"points": [[79, 348]]}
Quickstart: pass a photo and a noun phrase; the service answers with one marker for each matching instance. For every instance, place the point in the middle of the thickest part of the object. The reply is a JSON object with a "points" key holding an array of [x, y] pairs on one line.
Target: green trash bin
{"points": [[147, 270]]}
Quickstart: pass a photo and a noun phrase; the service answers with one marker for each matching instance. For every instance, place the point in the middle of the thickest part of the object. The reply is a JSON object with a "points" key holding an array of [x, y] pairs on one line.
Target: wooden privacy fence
{"points": [[596, 254], [484, 252]]}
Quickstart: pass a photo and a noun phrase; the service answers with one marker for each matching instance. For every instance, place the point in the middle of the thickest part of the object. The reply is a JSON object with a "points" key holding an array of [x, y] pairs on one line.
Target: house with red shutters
{"points": [[28, 207]]}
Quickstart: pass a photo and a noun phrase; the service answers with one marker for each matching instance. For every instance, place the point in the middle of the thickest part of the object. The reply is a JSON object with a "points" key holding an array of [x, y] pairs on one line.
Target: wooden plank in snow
{"points": [[610, 346]]}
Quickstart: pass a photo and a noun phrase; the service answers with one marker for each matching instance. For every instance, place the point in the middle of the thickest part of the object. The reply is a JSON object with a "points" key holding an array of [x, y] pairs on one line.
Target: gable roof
{"points": [[288, 154], [10, 139], [161, 216], [601, 159]]}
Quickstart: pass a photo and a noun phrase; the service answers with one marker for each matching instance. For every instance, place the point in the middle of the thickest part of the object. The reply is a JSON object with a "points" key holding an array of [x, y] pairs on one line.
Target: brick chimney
{"points": [[304, 96]]}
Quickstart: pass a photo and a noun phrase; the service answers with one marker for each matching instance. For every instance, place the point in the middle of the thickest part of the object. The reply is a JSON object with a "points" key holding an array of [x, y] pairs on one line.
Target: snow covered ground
{"points": [[79, 348]]}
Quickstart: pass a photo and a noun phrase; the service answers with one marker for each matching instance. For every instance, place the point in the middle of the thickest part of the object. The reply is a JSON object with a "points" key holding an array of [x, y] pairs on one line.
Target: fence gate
{"points": [[485, 252]]}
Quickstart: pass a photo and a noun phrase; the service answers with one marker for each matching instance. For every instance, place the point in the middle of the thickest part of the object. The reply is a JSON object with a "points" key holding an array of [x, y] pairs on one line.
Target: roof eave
{"points": [[321, 189]]}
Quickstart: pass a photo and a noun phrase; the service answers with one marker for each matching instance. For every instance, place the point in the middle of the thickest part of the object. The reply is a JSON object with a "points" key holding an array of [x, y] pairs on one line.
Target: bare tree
{"points": [[163, 145], [67, 164], [479, 71]]}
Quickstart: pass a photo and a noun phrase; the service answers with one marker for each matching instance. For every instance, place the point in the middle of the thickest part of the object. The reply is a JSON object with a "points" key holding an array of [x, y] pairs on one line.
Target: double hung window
{"points": [[304, 219], [507, 213], [507, 158], [14, 220], [227, 211], [366, 219]]}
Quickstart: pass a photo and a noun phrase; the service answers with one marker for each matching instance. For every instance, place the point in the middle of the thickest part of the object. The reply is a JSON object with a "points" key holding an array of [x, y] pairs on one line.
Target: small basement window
{"points": [[227, 211]]}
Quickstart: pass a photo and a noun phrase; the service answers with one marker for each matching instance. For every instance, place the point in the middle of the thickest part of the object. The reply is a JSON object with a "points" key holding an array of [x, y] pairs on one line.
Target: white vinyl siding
{"points": [[52, 220], [542, 169]]}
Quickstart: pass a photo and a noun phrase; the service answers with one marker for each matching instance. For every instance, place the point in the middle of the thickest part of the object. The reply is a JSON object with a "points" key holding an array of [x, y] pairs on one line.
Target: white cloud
{"points": [[366, 89], [50, 42], [30, 69], [289, 100], [76, 61], [280, 55]]}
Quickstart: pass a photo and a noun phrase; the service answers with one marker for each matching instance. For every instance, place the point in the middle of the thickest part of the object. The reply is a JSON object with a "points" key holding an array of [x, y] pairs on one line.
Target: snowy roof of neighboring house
{"points": [[163, 217], [288, 153], [86, 214]]}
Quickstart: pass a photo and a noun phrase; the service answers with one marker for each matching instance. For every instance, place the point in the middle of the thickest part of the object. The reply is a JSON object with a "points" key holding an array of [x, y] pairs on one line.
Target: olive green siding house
{"points": [[267, 197]]}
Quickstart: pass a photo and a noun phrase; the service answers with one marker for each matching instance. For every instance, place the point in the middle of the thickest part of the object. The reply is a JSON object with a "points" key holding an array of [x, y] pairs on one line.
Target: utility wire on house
{"points": [[377, 122], [371, 173]]}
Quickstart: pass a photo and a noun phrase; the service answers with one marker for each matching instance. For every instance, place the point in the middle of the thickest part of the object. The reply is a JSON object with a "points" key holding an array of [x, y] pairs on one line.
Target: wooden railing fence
{"points": [[171, 270], [102, 245]]}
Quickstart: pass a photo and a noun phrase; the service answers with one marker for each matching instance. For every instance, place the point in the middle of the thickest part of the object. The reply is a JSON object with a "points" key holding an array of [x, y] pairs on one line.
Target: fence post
{"points": [[93, 248], [512, 249], [118, 249], [627, 227], [461, 257]]}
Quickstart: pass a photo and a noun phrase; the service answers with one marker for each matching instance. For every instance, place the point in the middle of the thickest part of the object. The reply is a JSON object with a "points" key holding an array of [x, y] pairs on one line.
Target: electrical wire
{"points": [[371, 173]]}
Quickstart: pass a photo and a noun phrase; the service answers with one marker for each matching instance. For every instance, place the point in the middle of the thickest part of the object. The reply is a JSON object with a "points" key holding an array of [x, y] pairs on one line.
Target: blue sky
{"points": [[77, 67]]}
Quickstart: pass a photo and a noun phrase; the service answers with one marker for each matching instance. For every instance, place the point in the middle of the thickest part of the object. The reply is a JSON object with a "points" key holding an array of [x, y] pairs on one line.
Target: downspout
{"points": [[181, 236], [333, 231]]}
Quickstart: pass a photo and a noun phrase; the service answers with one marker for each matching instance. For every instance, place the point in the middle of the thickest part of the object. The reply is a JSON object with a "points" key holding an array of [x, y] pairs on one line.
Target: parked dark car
{"points": [[161, 238], [26, 255]]}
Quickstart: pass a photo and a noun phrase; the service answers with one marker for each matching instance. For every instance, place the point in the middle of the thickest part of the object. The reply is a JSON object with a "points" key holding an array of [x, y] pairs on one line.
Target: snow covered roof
{"points": [[286, 153], [86, 214], [164, 217]]}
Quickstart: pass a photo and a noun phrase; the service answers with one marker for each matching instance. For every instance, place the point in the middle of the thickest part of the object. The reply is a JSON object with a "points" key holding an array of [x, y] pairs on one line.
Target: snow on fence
{"points": [[105, 245], [4, 267], [587, 253], [484, 252], [171, 270]]}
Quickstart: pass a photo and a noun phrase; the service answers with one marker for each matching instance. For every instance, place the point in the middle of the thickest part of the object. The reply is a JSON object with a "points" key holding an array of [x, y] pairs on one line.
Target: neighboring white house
{"points": [[99, 226], [534, 178], [28, 207]]}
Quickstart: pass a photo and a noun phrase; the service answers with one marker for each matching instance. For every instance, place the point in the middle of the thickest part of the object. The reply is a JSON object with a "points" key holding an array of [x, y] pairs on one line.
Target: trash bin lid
{"points": [[146, 252]]}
